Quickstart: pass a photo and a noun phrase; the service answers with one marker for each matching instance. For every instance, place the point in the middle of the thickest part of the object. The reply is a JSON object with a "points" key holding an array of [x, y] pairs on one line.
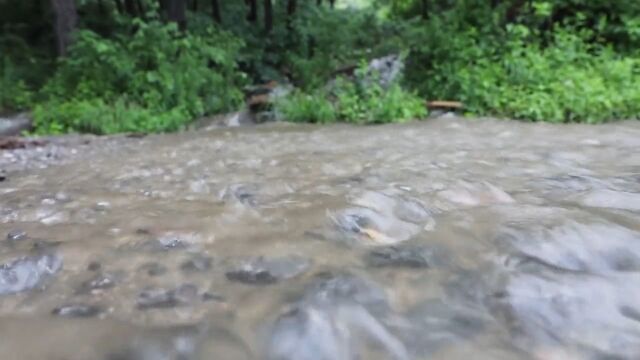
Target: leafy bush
{"points": [[96, 116], [303, 107], [568, 81], [353, 102], [14, 92], [157, 70]]}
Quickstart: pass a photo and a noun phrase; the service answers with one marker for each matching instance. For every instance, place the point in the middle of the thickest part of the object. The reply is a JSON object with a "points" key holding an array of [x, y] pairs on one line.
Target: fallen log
{"points": [[444, 105]]}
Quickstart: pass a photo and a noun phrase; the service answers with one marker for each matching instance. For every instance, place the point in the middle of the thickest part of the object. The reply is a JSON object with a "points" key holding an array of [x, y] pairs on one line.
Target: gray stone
{"points": [[28, 272], [411, 256], [262, 271], [14, 125], [159, 298], [77, 310]]}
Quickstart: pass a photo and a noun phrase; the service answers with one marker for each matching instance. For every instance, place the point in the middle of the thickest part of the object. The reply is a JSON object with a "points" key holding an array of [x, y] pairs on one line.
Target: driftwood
{"points": [[444, 105]]}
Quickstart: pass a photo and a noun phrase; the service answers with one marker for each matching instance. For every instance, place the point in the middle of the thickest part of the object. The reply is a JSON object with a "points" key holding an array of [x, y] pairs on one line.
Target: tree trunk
{"points": [[119, 7], [215, 11], [65, 23], [425, 9], [514, 11], [268, 16], [194, 5], [252, 14], [139, 8], [292, 5], [130, 7], [291, 11], [332, 3], [177, 13], [162, 8]]}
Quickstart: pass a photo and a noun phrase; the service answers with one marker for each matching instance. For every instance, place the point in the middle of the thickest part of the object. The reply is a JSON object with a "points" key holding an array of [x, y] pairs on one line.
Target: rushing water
{"points": [[444, 239]]}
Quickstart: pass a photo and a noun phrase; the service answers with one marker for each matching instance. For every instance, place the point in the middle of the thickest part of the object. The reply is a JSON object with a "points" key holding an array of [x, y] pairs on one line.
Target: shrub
{"points": [[353, 102], [14, 92], [155, 71], [568, 81], [96, 116], [303, 107]]}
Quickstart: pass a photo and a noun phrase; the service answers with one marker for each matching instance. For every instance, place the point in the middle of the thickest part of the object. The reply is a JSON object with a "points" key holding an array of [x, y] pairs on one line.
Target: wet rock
{"points": [[198, 263], [573, 311], [332, 322], [191, 342], [379, 218], [16, 235], [476, 194], [94, 266], [612, 200], [596, 248], [328, 288], [411, 256], [14, 125], [262, 271], [210, 296], [435, 324], [153, 269], [244, 194], [28, 272], [159, 298], [168, 241], [77, 310], [99, 282]]}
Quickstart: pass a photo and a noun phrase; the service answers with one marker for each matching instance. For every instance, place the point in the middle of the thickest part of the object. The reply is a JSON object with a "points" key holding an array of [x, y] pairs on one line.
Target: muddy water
{"points": [[445, 239]]}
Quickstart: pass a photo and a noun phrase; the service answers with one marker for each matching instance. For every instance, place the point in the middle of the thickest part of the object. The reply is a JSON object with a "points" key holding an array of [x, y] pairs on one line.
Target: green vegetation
{"points": [[354, 102], [156, 65], [155, 80]]}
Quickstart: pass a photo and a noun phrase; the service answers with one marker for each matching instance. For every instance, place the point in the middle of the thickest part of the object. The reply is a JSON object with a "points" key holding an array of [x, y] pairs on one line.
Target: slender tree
{"points": [[130, 7], [215, 11], [176, 12], [292, 5], [291, 11], [119, 6], [425, 9], [140, 8], [66, 17], [252, 13], [268, 16]]}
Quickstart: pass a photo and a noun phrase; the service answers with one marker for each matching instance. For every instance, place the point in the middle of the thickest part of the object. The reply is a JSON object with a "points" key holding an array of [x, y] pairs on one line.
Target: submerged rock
{"points": [[28, 272], [572, 246], [476, 194], [435, 324], [158, 298], [379, 218], [198, 263], [574, 311], [16, 235], [77, 310], [99, 282], [611, 199], [332, 322], [262, 271], [405, 255], [245, 194], [153, 269]]}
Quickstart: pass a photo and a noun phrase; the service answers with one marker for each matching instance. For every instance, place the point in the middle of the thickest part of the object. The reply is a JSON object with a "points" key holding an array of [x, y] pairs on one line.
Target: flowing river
{"points": [[443, 239]]}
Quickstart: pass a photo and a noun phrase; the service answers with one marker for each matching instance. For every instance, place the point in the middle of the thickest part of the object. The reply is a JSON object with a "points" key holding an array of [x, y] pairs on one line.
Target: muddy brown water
{"points": [[442, 239]]}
